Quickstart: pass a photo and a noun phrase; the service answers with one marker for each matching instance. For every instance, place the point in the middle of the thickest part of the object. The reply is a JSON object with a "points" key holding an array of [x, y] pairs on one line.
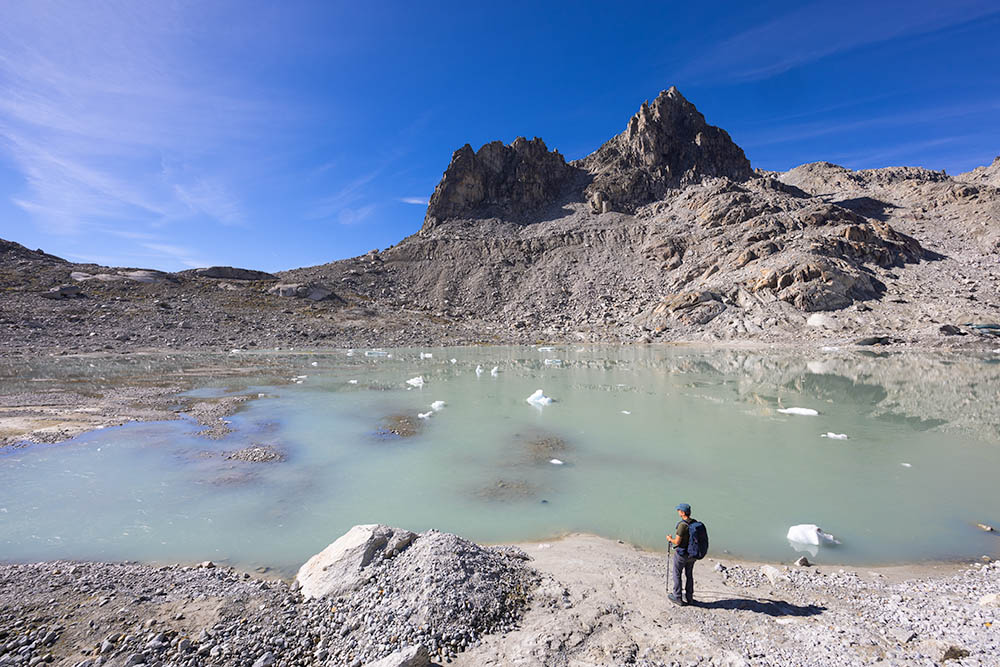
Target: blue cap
{"points": [[684, 507]]}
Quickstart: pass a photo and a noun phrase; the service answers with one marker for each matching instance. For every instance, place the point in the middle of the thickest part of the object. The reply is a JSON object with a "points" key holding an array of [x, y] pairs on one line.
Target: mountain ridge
{"points": [[664, 233]]}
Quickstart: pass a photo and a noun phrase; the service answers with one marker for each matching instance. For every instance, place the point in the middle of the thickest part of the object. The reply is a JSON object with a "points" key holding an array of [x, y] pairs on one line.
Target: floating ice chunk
{"points": [[479, 371], [454, 361], [626, 412], [805, 412], [437, 406], [425, 415], [545, 348], [833, 436], [538, 398], [810, 533], [315, 363], [350, 353], [906, 465], [3, 510], [352, 382], [416, 382], [495, 371], [378, 352], [426, 355], [553, 362], [555, 462]]}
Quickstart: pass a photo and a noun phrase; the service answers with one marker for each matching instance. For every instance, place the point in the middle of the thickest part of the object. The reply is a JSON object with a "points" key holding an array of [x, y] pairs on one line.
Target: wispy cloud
{"points": [[89, 122], [419, 201], [823, 127], [353, 216], [822, 29]]}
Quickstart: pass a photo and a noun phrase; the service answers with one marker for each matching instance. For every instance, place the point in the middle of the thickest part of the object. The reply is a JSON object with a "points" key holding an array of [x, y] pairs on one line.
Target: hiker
{"points": [[687, 551]]}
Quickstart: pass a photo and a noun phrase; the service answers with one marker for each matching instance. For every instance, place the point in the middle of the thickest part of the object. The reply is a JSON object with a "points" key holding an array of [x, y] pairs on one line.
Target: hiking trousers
{"points": [[681, 563]]}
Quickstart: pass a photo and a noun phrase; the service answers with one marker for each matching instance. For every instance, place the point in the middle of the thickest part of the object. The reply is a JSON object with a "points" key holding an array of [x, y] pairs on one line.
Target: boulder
{"points": [[339, 568], [233, 273], [411, 656], [63, 292], [311, 291]]}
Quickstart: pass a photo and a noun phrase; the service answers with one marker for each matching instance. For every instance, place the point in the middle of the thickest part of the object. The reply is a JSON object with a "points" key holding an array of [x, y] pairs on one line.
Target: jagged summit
{"points": [[498, 180], [667, 144]]}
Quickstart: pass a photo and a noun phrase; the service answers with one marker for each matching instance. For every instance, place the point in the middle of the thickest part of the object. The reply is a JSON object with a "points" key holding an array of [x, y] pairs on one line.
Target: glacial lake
{"points": [[634, 430]]}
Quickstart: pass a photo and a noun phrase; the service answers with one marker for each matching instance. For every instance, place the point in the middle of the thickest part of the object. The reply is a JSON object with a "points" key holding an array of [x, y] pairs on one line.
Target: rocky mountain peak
{"points": [[667, 144], [498, 180]]}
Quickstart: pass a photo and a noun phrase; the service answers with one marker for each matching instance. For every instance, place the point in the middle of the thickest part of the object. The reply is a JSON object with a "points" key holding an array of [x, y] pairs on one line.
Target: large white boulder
{"points": [[339, 568], [411, 656]]}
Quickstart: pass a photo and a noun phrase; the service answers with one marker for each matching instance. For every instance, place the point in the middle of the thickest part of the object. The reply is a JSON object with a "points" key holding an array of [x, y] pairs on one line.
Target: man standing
{"points": [[681, 561]]}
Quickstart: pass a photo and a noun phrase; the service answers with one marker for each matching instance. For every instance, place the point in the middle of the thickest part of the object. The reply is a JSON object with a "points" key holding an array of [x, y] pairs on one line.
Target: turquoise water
{"points": [[703, 426]]}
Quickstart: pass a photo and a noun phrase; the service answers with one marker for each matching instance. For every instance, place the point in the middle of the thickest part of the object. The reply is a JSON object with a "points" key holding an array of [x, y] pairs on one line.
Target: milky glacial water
{"points": [[637, 429]]}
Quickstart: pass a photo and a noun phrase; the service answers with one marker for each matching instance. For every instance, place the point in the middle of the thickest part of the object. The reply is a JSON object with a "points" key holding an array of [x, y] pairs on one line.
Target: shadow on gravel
{"points": [[769, 607]]}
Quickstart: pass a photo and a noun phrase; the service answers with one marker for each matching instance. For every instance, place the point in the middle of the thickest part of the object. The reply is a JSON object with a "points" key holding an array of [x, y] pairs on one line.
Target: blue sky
{"points": [[275, 135]]}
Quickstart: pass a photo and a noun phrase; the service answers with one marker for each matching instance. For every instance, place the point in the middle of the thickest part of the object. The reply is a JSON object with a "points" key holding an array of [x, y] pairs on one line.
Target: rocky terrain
{"points": [[388, 597], [664, 233]]}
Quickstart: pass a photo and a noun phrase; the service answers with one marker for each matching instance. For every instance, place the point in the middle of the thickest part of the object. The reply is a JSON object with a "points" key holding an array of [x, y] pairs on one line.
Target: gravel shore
{"points": [[589, 601]]}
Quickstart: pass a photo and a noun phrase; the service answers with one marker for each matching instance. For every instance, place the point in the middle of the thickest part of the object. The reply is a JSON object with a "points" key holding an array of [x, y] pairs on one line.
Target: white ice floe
{"points": [[233, 351], [495, 371], [626, 412], [315, 363], [545, 348], [538, 398], [454, 361], [906, 465], [352, 382], [425, 415], [350, 353], [426, 355], [553, 362], [479, 371], [437, 406], [555, 462], [416, 382], [833, 436], [805, 412], [376, 353], [811, 534]]}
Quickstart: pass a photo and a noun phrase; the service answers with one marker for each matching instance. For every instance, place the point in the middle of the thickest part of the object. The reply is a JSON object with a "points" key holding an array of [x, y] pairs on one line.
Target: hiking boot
{"points": [[677, 601], [689, 601]]}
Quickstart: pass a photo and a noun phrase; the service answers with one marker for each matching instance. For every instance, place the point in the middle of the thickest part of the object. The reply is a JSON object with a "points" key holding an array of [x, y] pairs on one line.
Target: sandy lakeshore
{"points": [[597, 602]]}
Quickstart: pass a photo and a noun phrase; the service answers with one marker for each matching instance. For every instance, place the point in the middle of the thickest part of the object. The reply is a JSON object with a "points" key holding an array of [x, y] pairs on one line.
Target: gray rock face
{"points": [[667, 144], [498, 181], [232, 273]]}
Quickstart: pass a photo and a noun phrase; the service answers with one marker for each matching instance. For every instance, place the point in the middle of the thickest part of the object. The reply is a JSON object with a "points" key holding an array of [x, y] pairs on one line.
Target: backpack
{"points": [[697, 545]]}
